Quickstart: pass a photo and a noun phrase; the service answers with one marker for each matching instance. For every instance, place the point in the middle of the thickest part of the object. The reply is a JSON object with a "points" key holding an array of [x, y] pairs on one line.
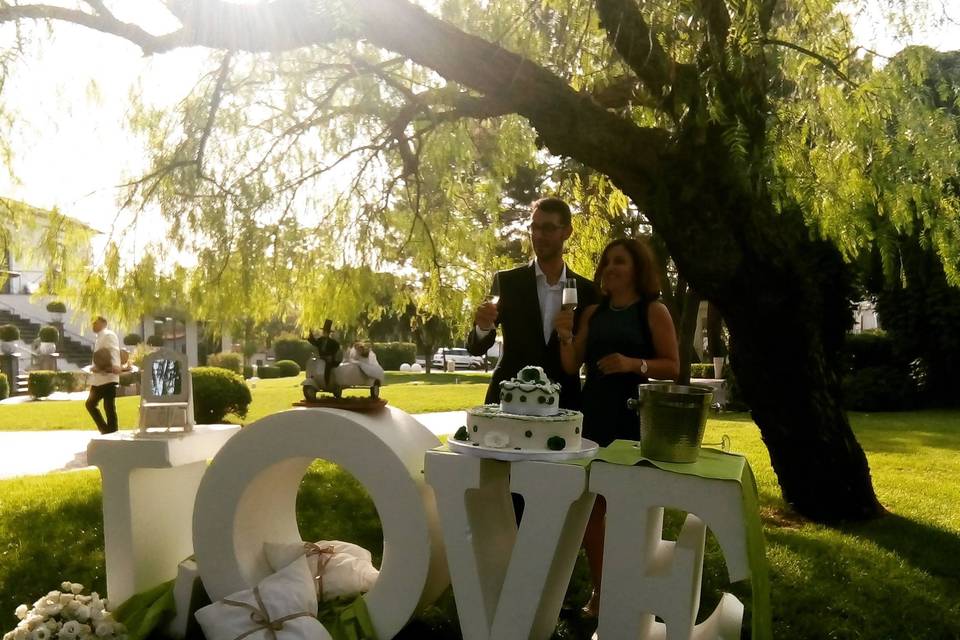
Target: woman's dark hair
{"points": [[646, 281]]}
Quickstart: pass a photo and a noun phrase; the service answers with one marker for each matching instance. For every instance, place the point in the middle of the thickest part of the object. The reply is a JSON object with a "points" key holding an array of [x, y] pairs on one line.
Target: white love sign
{"points": [[509, 582]]}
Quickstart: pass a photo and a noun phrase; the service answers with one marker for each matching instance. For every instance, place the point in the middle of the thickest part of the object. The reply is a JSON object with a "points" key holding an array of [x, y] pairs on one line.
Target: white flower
{"points": [[496, 440], [76, 588], [21, 613], [104, 629], [65, 585], [83, 613], [40, 633], [70, 630]]}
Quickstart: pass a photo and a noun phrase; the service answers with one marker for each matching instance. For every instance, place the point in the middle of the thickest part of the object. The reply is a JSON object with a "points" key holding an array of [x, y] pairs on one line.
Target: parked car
{"points": [[460, 357]]}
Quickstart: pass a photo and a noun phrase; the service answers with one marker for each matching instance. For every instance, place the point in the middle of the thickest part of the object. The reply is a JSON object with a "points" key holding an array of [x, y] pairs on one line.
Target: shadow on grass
{"points": [[836, 583], [932, 550]]}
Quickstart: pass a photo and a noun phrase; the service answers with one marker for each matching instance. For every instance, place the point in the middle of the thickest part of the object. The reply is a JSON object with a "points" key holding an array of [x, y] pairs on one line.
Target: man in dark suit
{"points": [[328, 350], [529, 298]]}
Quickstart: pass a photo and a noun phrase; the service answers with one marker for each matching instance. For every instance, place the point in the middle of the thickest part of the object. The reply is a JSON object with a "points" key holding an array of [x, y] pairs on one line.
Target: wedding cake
{"points": [[528, 417]]}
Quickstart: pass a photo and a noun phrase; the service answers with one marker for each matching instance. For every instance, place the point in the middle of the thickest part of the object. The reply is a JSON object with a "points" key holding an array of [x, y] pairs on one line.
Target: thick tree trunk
{"points": [[687, 328]]}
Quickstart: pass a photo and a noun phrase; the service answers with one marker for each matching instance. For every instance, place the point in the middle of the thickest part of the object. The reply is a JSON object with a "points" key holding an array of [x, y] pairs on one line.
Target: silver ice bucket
{"points": [[672, 420]]}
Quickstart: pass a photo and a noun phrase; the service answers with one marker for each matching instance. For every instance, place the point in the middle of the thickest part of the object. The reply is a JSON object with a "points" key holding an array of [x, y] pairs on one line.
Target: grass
{"points": [[895, 577], [448, 392]]}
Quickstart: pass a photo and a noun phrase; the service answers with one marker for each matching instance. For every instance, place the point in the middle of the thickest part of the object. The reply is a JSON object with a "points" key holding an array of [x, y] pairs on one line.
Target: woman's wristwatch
{"points": [[643, 367]]}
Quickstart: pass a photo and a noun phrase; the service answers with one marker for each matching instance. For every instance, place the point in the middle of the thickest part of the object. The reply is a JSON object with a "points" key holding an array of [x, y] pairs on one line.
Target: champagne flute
{"points": [[569, 300], [494, 296]]}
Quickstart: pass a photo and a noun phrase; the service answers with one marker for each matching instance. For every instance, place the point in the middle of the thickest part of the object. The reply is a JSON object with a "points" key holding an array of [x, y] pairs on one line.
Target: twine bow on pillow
{"points": [[324, 554], [283, 606], [260, 616]]}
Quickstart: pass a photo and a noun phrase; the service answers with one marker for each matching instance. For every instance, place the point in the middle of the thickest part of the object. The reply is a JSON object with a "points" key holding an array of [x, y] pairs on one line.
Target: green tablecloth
{"points": [[717, 465]]}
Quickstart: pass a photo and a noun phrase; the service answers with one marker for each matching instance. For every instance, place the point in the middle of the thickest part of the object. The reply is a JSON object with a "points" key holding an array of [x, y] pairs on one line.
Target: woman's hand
{"points": [[616, 363], [563, 323]]}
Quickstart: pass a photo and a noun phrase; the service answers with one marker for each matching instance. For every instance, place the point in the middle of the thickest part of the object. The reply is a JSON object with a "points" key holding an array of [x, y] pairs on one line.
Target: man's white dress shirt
{"points": [[550, 298], [106, 339]]}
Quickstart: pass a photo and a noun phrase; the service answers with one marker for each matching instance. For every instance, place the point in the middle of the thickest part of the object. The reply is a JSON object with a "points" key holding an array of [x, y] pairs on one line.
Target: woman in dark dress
{"points": [[624, 340]]}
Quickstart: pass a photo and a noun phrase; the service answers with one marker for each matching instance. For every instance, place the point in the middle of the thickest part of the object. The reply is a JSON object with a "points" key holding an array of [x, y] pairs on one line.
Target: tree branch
{"points": [[633, 39], [822, 59], [214, 106]]}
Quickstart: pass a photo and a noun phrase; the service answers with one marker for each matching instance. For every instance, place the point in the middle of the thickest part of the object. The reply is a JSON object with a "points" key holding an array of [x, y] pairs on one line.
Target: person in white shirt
{"points": [[104, 376]]}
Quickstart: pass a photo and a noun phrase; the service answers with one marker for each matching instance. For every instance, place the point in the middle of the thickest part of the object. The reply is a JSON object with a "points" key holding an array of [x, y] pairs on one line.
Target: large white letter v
{"points": [[509, 584]]}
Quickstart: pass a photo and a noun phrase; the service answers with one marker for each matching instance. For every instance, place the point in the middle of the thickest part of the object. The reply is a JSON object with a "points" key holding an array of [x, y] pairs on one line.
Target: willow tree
{"points": [[431, 111]]}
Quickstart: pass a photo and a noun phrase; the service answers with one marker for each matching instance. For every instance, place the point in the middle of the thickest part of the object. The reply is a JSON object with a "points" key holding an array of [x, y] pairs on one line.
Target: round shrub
{"points": [[247, 371], [287, 368], [391, 355], [218, 392], [70, 381], [41, 384], [226, 360], [128, 378], [48, 334], [296, 349], [132, 339], [883, 388], [268, 371], [155, 341], [9, 333], [56, 307], [4, 387]]}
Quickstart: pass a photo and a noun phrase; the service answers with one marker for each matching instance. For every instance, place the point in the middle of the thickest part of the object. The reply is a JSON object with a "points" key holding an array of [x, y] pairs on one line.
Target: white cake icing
{"points": [[528, 417], [530, 394]]}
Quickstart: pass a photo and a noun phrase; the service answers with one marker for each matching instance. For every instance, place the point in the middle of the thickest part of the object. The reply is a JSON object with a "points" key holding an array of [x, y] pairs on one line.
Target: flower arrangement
{"points": [[67, 615]]}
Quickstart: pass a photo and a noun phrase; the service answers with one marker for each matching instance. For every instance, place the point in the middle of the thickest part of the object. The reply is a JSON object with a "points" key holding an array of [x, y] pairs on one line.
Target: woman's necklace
{"points": [[614, 307]]}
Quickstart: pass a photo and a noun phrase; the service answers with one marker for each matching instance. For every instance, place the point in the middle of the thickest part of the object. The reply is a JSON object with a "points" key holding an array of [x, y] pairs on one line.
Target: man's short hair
{"points": [[553, 205], [101, 319]]}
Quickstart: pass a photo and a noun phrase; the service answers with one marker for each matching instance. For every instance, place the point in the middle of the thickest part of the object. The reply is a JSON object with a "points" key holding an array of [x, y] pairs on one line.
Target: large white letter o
{"points": [[248, 497]]}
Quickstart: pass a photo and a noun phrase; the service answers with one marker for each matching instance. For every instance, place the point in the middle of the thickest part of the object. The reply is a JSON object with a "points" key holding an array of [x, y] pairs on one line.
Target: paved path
{"points": [[26, 453]]}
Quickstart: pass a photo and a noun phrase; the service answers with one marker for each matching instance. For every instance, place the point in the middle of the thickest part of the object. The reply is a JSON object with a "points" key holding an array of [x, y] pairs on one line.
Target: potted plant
{"points": [[57, 308], [132, 339], [49, 337], [155, 340], [9, 334]]}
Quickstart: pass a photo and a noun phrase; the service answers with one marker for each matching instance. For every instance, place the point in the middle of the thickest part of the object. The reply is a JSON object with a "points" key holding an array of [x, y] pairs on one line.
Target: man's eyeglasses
{"points": [[546, 227]]}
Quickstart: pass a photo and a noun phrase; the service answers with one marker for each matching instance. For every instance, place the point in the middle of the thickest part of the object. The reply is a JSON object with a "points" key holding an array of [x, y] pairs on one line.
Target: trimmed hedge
{"points": [[877, 378], [132, 339], [287, 368], [9, 333], [41, 384], [218, 392], [869, 349], [56, 307], [247, 371], [226, 360], [4, 387], [701, 370], [391, 355], [48, 334], [882, 388], [155, 341], [296, 349], [128, 378], [268, 371], [70, 381]]}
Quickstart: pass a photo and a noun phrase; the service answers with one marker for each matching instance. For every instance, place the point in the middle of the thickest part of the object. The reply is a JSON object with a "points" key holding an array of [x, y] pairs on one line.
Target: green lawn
{"points": [[448, 392], [896, 577]]}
